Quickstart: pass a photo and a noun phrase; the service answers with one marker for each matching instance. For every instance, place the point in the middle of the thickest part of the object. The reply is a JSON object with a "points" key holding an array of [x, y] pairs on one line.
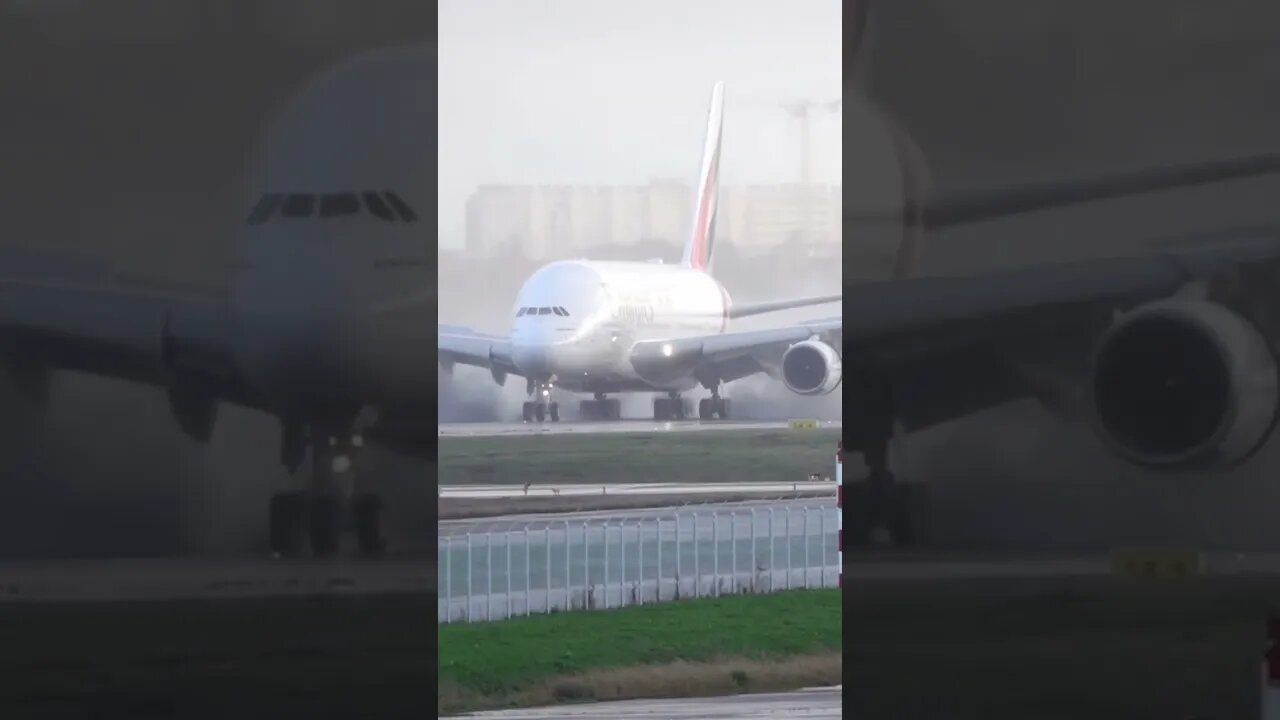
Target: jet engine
{"points": [[811, 367], [1183, 384]]}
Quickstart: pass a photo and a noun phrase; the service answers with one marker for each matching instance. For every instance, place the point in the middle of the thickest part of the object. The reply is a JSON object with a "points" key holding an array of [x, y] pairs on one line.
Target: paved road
{"points": [[812, 703], [622, 426]]}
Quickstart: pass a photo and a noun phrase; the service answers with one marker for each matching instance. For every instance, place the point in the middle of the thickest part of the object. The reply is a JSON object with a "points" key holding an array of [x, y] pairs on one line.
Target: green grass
{"points": [[1101, 648], [712, 456], [346, 657], [490, 664]]}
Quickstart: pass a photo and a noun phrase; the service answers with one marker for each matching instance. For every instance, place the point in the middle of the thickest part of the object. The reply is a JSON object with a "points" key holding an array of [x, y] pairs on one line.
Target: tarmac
{"points": [[490, 429], [812, 703]]}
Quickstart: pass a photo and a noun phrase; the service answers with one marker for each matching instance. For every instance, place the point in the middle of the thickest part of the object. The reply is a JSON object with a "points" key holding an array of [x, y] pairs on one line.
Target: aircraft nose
{"points": [[533, 359]]}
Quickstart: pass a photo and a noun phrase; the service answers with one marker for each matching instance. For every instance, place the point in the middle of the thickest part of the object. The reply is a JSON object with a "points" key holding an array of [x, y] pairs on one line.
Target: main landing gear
{"points": [[674, 407], [315, 517], [671, 407], [601, 408], [883, 509], [542, 406], [714, 407]]}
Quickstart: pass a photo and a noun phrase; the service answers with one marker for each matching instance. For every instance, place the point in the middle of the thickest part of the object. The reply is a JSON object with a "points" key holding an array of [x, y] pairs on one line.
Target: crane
{"points": [[803, 110]]}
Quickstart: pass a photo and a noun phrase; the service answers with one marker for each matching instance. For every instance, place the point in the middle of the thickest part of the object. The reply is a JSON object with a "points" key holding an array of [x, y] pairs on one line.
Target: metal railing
{"points": [[576, 565]]}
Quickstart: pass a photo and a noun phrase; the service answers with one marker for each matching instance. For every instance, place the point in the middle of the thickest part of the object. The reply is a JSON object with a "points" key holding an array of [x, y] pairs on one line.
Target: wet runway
{"points": [[192, 578], [622, 426], [812, 703], [825, 487]]}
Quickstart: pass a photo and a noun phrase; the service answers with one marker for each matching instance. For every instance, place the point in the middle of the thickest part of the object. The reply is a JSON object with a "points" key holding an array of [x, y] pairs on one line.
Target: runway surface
{"points": [[621, 426], [820, 487], [813, 703], [179, 578]]}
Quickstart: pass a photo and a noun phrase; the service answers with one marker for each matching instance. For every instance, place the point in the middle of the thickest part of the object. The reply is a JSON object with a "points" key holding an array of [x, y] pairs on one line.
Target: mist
{"points": [[1064, 90], [128, 148]]}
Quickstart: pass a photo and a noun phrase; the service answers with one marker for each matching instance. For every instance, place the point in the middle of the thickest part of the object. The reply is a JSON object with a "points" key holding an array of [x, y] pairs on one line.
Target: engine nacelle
{"points": [[1184, 384], [811, 367]]}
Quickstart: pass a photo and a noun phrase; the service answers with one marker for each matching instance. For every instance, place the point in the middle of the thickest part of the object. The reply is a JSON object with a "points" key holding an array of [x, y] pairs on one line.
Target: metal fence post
{"points": [[696, 570], [677, 555], [546, 537], [753, 550], [469, 573], [566, 566], [805, 583], [488, 572], [657, 594], [586, 562], [786, 542], [506, 537], [528, 591], [448, 577], [640, 562], [771, 562], [733, 552], [604, 533], [822, 577], [622, 574], [715, 553]]}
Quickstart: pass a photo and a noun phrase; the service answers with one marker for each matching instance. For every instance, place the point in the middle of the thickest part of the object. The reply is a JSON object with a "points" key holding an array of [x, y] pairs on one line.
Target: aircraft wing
{"points": [[728, 356], [951, 346], [457, 344], [67, 314]]}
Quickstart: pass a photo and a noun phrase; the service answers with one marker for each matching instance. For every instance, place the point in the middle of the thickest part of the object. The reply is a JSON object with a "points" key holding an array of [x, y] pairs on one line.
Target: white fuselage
{"points": [[586, 316]]}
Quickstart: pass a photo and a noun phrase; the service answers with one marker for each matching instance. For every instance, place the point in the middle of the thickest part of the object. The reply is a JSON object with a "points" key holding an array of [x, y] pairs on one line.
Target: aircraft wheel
{"points": [[722, 409], [612, 408], [326, 525], [367, 510], [526, 412], [540, 411], [555, 412], [286, 519]]}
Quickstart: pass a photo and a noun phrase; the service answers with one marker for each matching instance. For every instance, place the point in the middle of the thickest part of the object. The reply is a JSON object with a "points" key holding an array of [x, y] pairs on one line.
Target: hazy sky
{"points": [[615, 91]]}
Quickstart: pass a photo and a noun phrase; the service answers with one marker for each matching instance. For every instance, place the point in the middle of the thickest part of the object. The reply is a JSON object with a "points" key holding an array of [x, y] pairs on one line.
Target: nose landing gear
{"points": [[316, 516], [542, 404]]}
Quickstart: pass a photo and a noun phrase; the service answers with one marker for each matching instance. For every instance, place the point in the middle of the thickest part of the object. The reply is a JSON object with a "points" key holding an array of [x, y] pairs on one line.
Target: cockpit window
{"points": [[339, 204], [296, 206], [267, 204], [520, 312], [402, 209], [544, 311], [374, 202], [560, 311]]}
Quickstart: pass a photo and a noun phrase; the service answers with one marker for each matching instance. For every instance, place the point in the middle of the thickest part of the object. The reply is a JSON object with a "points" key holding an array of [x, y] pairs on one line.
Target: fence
{"points": [[602, 564]]}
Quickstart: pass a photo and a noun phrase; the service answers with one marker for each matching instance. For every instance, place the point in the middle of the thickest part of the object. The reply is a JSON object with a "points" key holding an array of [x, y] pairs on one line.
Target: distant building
{"points": [[543, 222]]}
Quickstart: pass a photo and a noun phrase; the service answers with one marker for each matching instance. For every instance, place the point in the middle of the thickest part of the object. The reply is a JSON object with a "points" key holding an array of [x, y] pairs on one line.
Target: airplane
{"points": [[324, 321], [613, 327]]}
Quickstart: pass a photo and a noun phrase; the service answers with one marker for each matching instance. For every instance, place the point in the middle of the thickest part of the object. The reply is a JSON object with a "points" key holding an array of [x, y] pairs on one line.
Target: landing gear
{"points": [[316, 517], [672, 407], [542, 405], [714, 407], [880, 509], [601, 408], [883, 509]]}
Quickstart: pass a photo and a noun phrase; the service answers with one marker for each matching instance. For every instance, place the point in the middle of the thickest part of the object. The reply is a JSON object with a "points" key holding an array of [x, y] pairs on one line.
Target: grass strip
{"points": [[711, 456], [707, 646]]}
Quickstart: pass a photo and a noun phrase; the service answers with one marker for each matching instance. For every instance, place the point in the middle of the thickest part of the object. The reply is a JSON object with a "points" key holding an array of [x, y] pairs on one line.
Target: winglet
{"points": [[697, 250]]}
